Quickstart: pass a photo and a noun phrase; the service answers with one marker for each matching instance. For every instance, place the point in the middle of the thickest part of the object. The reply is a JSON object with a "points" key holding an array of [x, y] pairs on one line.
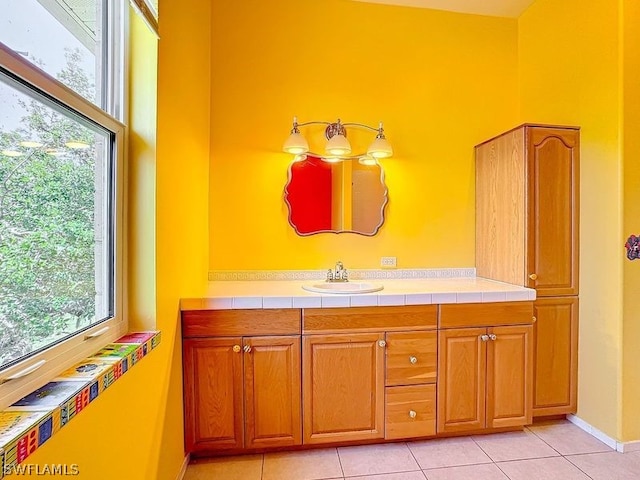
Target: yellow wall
{"points": [[569, 74], [442, 82], [134, 430], [631, 169]]}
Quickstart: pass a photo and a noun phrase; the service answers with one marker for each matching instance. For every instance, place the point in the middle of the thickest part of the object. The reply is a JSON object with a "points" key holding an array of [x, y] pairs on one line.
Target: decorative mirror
{"points": [[346, 196]]}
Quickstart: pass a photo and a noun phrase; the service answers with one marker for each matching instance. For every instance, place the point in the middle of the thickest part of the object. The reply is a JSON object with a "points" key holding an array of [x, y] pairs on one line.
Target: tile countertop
{"points": [[226, 295]]}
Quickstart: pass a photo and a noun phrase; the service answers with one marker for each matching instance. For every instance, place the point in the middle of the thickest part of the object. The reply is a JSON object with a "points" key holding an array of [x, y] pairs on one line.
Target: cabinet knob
{"points": [[412, 414], [413, 360], [534, 320], [382, 343], [484, 338], [247, 348], [236, 348], [492, 336], [533, 276]]}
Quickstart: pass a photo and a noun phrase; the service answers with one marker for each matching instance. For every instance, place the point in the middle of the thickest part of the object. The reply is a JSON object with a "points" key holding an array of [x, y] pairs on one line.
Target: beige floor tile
{"points": [[608, 466], [374, 459], [245, 467], [447, 452], [469, 472], [504, 447], [554, 468], [568, 439], [303, 465], [393, 476]]}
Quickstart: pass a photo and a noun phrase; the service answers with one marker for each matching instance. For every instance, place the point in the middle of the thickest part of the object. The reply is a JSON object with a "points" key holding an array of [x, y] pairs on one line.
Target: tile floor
{"points": [[547, 451]]}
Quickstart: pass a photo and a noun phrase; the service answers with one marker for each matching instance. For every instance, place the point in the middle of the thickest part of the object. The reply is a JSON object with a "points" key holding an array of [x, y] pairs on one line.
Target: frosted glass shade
{"points": [[338, 145], [380, 148], [296, 144]]}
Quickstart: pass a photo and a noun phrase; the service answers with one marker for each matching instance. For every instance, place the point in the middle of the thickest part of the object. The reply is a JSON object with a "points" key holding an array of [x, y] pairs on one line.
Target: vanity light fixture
{"points": [[338, 147]]}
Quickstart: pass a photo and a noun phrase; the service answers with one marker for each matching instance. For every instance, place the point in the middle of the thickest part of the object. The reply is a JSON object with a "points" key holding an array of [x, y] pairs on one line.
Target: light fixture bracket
{"points": [[334, 129]]}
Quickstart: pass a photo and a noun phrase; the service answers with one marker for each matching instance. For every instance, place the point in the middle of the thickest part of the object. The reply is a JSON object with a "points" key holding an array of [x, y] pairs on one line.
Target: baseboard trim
{"points": [[183, 469], [622, 447]]}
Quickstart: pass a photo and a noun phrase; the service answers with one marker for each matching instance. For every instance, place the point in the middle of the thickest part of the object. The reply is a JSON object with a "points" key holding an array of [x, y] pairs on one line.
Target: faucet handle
{"points": [[329, 275]]}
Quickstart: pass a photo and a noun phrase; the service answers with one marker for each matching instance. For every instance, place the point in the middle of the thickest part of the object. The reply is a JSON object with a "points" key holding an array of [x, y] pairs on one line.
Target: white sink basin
{"points": [[349, 288]]}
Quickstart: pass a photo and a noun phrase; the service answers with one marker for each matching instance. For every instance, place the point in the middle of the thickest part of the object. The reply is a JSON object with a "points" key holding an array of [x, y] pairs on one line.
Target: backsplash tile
{"points": [[270, 275]]}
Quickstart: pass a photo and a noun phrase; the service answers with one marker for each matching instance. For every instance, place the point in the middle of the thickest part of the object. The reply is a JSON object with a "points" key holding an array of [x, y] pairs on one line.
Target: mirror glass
{"points": [[347, 196]]}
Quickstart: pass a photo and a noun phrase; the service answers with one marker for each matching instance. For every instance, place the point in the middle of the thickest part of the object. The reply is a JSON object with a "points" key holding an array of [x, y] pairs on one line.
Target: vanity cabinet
{"points": [[343, 385], [555, 347], [380, 362], [241, 386], [527, 211], [485, 373]]}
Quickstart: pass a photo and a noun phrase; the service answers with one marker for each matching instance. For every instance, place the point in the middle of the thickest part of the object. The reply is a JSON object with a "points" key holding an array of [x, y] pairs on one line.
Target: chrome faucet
{"points": [[339, 275]]}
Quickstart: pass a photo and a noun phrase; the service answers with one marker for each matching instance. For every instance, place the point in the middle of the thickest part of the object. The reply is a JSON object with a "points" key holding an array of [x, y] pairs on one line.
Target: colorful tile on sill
{"points": [[116, 351], [69, 395], [138, 337], [14, 424], [89, 369], [122, 356], [26, 437]]}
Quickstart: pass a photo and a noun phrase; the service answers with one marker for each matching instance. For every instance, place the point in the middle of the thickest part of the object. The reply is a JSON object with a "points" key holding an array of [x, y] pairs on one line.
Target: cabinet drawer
{"points": [[485, 314], [410, 411], [412, 357], [235, 323], [369, 319]]}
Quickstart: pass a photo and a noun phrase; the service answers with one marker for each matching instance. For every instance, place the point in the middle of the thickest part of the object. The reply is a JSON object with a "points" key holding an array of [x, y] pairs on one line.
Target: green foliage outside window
{"points": [[47, 226]]}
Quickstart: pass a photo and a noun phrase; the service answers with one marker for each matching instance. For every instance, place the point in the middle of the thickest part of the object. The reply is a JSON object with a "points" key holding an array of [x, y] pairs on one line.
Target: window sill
{"points": [[34, 419]]}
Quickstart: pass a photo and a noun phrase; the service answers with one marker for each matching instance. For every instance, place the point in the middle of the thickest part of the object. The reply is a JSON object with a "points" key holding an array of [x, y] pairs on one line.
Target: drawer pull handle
{"points": [[382, 343], [534, 320], [247, 348], [412, 413], [413, 360], [236, 348], [492, 336], [533, 276], [484, 338]]}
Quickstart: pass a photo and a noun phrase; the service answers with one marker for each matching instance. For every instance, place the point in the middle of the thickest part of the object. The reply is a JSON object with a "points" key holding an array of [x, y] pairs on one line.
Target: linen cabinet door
{"points": [[343, 387], [555, 336], [509, 376], [213, 394], [272, 391], [461, 379], [552, 232]]}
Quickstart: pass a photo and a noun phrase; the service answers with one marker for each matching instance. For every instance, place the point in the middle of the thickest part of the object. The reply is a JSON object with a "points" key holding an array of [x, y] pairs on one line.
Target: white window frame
{"points": [[38, 369]]}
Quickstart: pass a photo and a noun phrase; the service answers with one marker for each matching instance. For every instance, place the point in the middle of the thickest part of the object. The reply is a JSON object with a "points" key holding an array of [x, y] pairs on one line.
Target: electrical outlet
{"points": [[388, 262]]}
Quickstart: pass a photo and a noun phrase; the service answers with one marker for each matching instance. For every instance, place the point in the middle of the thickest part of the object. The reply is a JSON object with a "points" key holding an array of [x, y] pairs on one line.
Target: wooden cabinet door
{"points": [[509, 376], [555, 335], [272, 391], [213, 394], [343, 387], [461, 379], [553, 195]]}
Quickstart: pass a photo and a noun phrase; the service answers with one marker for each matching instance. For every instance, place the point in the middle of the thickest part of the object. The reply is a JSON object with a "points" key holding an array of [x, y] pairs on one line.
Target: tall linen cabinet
{"points": [[527, 211]]}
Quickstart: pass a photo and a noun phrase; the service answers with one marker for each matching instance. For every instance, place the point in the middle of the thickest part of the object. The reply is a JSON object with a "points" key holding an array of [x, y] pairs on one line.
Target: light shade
{"points": [[338, 145], [296, 144], [31, 144], [380, 148], [77, 145], [11, 153]]}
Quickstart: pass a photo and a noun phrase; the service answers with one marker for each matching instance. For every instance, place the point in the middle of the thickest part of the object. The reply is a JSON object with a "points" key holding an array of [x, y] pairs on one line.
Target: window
{"points": [[61, 186]]}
